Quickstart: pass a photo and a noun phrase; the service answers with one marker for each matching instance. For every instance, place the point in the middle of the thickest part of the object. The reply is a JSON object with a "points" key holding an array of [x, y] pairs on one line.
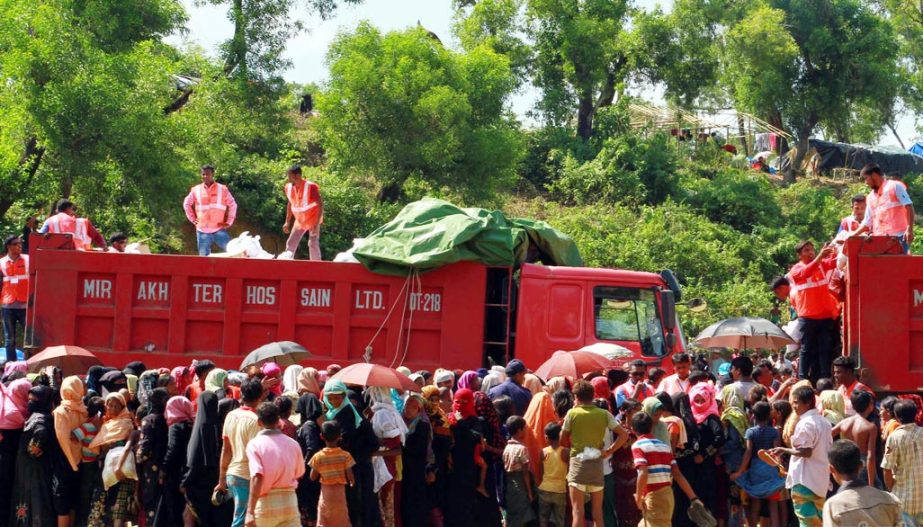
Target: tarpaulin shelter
{"points": [[894, 161], [916, 148], [430, 233]]}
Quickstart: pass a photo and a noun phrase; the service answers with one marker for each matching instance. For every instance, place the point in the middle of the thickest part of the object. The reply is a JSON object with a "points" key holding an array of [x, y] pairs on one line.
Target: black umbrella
{"points": [[744, 333], [284, 353]]}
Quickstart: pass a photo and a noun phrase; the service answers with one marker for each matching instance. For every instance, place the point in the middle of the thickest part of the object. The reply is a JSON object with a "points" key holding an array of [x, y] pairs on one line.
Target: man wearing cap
{"points": [[817, 309], [889, 208], [512, 387], [854, 221]]}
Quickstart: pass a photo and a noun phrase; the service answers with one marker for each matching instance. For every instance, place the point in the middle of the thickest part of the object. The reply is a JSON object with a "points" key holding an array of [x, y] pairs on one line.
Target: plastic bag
{"points": [[382, 475], [110, 466]]}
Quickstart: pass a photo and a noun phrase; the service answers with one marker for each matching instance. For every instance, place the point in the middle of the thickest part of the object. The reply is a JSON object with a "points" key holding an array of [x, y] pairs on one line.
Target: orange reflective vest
{"points": [[62, 223], [889, 218], [210, 207], [811, 292], [304, 204], [15, 279]]}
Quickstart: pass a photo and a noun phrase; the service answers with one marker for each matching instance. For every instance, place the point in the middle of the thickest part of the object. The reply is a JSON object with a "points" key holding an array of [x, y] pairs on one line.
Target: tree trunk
{"points": [[390, 192], [29, 162], [894, 132], [237, 56], [743, 135], [803, 141], [585, 113]]}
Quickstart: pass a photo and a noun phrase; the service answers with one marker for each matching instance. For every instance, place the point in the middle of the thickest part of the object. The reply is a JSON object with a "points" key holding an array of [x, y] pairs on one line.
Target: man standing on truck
{"points": [[307, 208], [889, 208], [15, 294], [817, 309], [212, 209], [81, 230], [853, 221]]}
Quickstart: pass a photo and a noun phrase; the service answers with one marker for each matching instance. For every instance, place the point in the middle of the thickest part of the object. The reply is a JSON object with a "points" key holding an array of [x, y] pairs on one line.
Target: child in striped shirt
{"points": [[656, 471], [333, 467]]}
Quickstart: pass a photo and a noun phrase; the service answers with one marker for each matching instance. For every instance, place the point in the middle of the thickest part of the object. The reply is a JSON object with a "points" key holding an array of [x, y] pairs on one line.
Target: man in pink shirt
{"points": [[276, 465], [212, 209]]}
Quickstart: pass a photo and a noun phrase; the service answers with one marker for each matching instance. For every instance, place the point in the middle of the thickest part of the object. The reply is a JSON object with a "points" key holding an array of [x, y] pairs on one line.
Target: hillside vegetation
{"points": [[96, 106]]}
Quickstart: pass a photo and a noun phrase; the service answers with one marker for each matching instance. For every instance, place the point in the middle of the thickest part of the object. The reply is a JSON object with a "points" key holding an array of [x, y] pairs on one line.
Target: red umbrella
{"points": [[367, 374], [573, 364], [72, 360]]}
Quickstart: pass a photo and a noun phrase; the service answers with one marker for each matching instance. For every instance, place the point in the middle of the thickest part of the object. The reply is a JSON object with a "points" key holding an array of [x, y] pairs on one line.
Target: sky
{"points": [[208, 26]]}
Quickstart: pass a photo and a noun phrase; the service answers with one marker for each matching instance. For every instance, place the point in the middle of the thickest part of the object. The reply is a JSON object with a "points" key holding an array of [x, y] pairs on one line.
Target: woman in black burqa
{"points": [[202, 460], [33, 502]]}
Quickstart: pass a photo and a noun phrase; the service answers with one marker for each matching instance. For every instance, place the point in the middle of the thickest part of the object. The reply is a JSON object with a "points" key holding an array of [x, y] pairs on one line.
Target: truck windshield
{"points": [[626, 314]]}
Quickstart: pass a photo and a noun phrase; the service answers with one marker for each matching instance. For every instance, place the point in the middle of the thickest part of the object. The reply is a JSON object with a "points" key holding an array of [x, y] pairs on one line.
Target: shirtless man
{"points": [[860, 430]]}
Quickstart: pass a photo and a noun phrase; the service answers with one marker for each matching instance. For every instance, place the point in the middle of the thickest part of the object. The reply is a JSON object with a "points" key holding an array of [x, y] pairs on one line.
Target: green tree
{"points": [[581, 57], [811, 62], [403, 108], [498, 25]]}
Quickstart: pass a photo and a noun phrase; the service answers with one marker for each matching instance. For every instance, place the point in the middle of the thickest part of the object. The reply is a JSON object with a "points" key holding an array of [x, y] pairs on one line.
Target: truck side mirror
{"points": [[668, 309]]}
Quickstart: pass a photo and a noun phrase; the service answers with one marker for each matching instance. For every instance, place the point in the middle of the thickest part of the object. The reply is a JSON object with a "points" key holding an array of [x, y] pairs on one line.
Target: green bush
{"points": [[743, 199]]}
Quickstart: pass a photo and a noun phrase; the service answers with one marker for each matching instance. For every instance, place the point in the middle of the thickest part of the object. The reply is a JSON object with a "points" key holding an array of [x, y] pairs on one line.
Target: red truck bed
{"points": [[883, 316], [167, 310]]}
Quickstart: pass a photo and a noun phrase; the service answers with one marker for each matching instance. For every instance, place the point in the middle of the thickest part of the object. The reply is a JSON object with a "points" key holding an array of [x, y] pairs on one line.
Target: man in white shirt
{"points": [[679, 381], [808, 471]]}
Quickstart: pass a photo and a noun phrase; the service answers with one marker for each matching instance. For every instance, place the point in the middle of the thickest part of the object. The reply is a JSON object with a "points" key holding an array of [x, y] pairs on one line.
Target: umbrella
{"points": [[72, 360], [613, 352], [284, 353], [573, 364], [744, 333], [368, 374]]}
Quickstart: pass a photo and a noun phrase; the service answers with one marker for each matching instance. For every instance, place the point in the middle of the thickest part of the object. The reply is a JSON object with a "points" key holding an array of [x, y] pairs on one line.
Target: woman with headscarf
{"points": [[271, 370], [69, 415], [217, 382], [290, 378], [360, 441], [147, 382], [309, 438], [171, 505], [442, 447], [182, 377], [111, 382], [685, 457], [14, 410], [308, 382], [116, 431], [418, 458], [152, 447], [468, 502], [652, 407], [538, 415], [14, 366], [495, 441], [711, 439], [93, 384], [202, 457], [833, 406], [391, 432], [33, 500], [532, 383], [135, 368]]}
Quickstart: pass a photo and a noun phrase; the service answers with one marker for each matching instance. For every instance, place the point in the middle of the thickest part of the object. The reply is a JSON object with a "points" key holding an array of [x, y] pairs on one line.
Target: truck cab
{"points": [[567, 308]]}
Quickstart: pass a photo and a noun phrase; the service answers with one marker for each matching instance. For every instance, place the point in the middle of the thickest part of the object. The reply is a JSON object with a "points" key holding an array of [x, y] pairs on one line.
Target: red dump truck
{"points": [[166, 310], [883, 314]]}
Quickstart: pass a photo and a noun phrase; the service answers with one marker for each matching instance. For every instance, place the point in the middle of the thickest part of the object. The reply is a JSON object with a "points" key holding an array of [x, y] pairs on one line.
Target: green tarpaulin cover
{"points": [[431, 233]]}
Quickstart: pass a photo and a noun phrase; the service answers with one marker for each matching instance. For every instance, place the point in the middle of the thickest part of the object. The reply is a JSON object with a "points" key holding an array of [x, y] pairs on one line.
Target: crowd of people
{"points": [[742, 443]]}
